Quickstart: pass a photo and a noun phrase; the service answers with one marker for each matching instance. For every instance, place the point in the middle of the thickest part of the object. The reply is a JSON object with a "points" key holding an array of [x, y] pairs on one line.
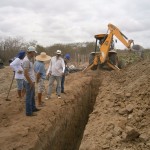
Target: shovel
{"points": [[7, 99]]}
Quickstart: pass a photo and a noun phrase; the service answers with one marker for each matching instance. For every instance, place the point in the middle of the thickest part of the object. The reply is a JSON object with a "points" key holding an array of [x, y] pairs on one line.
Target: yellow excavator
{"points": [[107, 54]]}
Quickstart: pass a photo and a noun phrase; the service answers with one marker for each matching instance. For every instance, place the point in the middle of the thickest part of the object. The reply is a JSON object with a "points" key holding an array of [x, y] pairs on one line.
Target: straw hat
{"points": [[43, 57]]}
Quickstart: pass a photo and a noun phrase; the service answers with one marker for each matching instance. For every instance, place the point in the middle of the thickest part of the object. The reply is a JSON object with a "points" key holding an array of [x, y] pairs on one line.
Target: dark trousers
{"points": [[30, 99], [62, 83]]}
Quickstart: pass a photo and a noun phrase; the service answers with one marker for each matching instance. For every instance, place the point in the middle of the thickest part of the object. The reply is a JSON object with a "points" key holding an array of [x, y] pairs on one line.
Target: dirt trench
{"points": [[58, 126], [67, 133]]}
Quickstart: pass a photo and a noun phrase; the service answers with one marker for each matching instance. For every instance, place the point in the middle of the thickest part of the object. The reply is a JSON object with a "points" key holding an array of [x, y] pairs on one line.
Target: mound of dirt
{"points": [[121, 116]]}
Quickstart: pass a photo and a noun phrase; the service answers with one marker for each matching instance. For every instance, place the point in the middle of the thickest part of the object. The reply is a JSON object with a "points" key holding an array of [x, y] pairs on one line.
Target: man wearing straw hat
{"points": [[39, 68], [55, 71]]}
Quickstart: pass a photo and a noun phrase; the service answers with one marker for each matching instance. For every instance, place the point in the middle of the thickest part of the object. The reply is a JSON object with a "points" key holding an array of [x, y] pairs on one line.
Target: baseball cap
{"points": [[58, 52], [31, 49], [21, 54], [67, 56]]}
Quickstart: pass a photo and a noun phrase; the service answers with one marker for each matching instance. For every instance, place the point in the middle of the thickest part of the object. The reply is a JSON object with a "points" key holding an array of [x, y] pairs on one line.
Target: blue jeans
{"points": [[51, 81], [62, 83], [30, 98]]}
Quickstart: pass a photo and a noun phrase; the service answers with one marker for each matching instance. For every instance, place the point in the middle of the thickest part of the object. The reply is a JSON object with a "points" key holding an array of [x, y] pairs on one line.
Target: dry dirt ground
{"points": [[120, 119], [121, 116]]}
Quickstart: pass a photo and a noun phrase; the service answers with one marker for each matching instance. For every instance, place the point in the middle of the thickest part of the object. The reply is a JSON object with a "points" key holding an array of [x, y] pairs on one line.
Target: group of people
{"points": [[29, 70]]}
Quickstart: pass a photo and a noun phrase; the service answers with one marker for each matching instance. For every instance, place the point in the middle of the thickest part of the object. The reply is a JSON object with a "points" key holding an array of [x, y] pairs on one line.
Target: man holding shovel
{"points": [[16, 65]]}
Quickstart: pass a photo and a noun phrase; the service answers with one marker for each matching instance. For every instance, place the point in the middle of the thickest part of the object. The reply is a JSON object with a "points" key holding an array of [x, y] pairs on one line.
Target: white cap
{"points": [[58, 52], [31, 49]]}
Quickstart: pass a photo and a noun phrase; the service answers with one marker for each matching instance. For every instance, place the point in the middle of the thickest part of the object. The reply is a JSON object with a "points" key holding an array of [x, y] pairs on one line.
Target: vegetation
{"points": [[79, 52], [9, 47]]}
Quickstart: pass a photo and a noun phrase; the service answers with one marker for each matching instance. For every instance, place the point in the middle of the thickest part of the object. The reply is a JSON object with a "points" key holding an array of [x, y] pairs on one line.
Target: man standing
{"points": [[29, 81], [66, 59], [16, 65], [55, 71]]}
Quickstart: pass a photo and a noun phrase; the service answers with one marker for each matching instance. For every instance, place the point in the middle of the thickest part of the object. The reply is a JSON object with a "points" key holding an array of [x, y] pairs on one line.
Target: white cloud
{"points": [[68, 21]]}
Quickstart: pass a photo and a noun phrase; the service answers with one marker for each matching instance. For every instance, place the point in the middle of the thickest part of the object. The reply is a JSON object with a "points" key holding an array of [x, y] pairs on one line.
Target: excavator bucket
{"points": [[137, 48]]}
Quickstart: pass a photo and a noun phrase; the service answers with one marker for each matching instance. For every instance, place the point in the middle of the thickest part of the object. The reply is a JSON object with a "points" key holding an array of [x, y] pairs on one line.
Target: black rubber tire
{"points": [[91, 59], [113, 58], [121, 64]]}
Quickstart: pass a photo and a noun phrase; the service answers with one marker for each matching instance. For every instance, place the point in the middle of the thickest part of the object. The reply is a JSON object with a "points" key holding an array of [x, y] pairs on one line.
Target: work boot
{"points": [[64, 92], [36, 109], [31, 115]]}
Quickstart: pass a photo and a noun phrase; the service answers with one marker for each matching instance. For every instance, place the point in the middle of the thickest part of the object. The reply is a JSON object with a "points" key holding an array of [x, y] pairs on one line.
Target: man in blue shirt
{"points": [[66, 59], [39, 68]]}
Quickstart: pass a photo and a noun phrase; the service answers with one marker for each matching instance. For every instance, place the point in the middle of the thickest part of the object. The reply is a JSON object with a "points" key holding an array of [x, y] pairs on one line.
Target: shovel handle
{"points": [[10, 86]]}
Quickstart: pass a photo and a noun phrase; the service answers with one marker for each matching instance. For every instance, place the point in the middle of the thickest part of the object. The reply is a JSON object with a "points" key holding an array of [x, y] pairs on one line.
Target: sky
{"points": [[69, 21]]}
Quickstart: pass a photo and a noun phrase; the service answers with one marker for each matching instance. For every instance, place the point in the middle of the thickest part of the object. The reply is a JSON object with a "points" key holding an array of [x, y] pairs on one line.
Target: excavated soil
{"points": [[101, 110], [121, 116]]}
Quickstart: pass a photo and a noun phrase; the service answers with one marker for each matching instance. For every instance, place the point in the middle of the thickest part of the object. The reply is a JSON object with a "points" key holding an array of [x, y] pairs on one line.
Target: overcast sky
{"points": [[69, 21]]}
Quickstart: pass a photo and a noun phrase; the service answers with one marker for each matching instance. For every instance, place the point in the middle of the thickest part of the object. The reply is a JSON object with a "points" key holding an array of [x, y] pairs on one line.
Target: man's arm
{"points": [[26, 66], [14, 65], [63, 65], [26, 74], [49, 70]]}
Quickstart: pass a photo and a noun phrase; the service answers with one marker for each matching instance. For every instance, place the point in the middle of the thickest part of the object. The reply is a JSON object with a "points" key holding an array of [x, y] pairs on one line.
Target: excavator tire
{"points": [[113, 58], [121, 64], [91, 59]]}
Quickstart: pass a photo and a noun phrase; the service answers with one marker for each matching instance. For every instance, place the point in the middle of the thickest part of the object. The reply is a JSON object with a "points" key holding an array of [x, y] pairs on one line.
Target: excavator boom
{"points": [[115, 31]]}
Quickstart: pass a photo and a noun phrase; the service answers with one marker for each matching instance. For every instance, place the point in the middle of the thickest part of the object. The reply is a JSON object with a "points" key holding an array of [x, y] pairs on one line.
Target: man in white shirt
{"points": [[55, 71], [29, 81], [16, 65]]}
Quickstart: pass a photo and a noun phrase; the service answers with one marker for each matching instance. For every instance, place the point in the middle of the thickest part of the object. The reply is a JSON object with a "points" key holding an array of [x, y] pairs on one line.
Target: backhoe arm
{"points": [[115, 31], [105, 47]]}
